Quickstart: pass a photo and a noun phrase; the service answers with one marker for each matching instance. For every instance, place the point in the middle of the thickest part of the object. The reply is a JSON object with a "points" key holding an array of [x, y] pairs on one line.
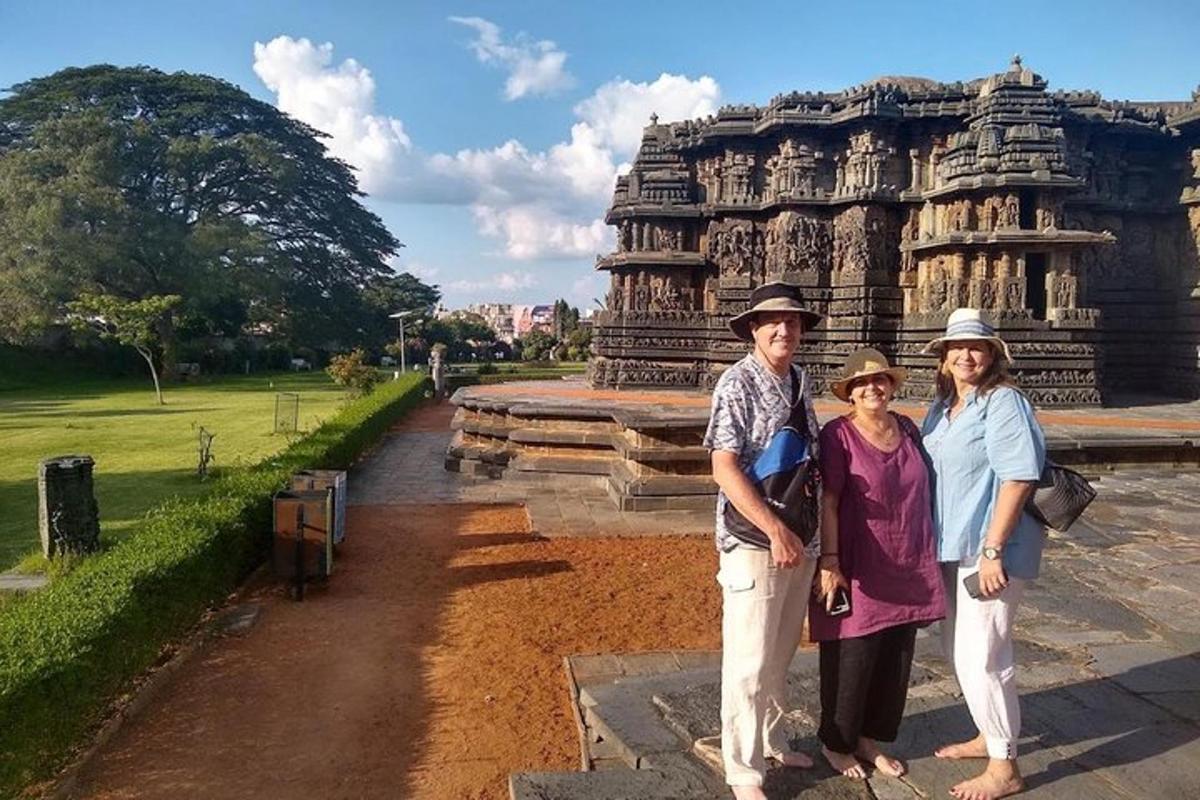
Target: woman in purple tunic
{"points": [[877, 549]]}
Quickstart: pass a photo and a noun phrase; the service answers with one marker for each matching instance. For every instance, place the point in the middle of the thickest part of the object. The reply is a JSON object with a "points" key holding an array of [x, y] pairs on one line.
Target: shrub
{"points": [[67, 650], [352, 371]]}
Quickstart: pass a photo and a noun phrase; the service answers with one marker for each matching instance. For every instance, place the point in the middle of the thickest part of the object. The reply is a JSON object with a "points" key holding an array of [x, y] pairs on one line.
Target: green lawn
{"points": [[144, 452]]}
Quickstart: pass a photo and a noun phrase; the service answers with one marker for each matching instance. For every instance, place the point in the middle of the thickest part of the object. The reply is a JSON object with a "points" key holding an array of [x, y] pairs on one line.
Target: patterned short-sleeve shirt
{"points": [[749, 404]]}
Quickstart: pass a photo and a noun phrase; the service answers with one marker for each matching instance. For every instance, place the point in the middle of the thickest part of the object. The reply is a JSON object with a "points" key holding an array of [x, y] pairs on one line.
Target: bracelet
{"points": [[827, 555]]}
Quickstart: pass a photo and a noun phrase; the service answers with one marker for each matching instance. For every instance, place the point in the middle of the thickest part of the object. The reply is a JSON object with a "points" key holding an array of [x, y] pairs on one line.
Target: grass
{"points": [[144, 452]]}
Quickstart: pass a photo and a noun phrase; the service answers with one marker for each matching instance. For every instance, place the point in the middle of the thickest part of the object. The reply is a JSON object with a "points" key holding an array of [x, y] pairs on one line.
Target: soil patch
{"points": [[430, 667]]}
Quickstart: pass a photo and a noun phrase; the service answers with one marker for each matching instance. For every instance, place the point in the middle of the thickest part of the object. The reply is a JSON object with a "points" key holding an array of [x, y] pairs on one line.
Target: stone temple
{"points": [[1075, 220]]}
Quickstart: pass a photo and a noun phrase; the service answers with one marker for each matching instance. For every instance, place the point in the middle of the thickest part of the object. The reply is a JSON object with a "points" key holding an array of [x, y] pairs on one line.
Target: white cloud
{"points": [[503, 281], [588, 288], [535, 231], [619, 109], [337, 100], [536, 204], [534, 67], [550, 204]]}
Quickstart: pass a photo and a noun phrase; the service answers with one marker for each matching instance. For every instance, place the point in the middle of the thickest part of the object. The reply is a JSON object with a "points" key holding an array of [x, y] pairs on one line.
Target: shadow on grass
{"points": [[113, 412], [123, 498]]}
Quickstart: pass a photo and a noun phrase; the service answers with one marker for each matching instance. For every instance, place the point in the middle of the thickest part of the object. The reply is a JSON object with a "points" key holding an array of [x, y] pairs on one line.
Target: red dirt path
{"points": [[430, 667]]}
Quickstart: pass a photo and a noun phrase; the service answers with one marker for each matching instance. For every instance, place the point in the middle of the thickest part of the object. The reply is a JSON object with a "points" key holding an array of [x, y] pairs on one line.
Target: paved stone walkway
{"points": [[1109, 670], [408, 468], [1109, 642]]}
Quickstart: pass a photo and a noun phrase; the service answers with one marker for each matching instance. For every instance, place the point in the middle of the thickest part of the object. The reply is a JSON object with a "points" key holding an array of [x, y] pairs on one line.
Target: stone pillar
{"points": [[68, 517], [437, 369]]}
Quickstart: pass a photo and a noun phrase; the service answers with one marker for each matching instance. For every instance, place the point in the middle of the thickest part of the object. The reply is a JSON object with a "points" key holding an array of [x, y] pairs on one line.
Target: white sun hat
{"points": [[965, 324]]}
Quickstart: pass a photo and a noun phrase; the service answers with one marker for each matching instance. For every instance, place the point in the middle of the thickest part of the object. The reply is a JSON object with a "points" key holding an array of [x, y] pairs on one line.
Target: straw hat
{"points": [[968, 323], [862, 363], [774, 296]]}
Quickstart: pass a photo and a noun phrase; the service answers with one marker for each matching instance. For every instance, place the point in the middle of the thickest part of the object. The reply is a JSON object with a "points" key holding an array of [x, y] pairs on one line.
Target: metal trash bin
{"points": [[312, 480], [68, 515], [302, 543]]}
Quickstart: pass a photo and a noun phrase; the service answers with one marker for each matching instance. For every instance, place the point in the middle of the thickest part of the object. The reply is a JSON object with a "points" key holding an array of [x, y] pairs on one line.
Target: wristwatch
{"points": [[992, 553]]}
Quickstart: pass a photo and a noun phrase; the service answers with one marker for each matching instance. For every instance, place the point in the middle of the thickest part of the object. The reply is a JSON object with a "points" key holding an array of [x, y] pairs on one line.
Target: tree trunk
{"points": [[149, 356], [170, 345]]}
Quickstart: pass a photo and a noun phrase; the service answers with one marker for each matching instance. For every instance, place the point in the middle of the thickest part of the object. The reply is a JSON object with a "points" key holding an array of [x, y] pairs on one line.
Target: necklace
{"points": [[884, 435]]}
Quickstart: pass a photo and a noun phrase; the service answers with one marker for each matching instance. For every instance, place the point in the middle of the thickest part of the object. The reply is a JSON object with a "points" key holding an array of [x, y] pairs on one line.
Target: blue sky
{"points": [[488, 133]]}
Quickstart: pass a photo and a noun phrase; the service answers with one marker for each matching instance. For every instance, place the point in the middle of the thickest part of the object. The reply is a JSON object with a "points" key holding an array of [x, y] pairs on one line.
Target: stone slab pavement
{"points": [[407, 467], [1108, 666]]}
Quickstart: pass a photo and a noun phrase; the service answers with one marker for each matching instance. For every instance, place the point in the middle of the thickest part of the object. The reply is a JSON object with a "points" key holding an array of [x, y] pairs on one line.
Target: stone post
{"points": [[68, 517], [437, 369]]}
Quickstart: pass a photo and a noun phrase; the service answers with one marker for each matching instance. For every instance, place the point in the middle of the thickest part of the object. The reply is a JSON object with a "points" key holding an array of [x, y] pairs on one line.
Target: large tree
{"points": [[134, 183]]}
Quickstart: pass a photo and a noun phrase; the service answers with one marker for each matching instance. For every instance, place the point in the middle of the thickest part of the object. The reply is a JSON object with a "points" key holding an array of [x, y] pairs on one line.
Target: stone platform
{"points": [[1108, 653], [647, 446]]}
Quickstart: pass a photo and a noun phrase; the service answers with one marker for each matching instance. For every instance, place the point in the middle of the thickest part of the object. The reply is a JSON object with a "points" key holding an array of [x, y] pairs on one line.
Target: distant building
{"points": [[499, 316], [542, 318]]}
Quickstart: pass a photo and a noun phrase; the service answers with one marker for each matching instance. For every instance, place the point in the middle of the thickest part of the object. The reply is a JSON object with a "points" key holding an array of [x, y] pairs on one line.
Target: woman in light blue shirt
{"points": [[987, 450]]}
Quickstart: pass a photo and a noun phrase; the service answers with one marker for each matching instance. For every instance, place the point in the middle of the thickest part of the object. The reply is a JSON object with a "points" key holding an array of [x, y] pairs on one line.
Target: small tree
{"points": [[536, 346], [578, 344], [131, 322], [352, 371]]}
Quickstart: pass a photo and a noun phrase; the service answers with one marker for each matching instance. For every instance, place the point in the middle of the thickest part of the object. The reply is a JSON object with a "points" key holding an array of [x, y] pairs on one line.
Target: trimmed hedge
{"points": [[67, 650]]}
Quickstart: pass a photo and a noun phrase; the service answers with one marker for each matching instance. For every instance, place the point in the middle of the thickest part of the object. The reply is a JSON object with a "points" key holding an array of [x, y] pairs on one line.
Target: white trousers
{"points": [[977, 640], [763, 610]]}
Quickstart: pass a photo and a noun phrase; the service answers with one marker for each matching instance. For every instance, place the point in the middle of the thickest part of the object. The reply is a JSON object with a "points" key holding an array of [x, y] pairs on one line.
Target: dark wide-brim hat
{"points": [[774, 296]]}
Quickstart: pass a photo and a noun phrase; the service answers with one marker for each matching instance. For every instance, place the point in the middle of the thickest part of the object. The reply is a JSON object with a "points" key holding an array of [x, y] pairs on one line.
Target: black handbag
{"points": [[786, 476], [1060, 497]]}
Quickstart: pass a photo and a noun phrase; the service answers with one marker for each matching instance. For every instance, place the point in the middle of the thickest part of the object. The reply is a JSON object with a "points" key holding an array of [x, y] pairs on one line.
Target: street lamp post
{"points": [[399, 317]]}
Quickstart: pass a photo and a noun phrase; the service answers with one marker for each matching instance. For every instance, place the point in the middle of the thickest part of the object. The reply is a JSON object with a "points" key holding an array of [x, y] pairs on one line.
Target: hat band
{"points": [[970, 327]]}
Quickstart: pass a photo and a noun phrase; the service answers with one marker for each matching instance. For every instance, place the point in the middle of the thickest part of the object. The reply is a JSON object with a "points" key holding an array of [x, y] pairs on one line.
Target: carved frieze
{"points": [[792, 173], [798, 243], [737, 177], [737, 247], [866, 165], [864, 239], [999, 177]]}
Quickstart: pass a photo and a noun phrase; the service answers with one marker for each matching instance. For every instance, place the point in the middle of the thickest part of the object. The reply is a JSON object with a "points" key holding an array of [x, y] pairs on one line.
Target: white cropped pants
{"points": [[763, 610], [977, 640]]}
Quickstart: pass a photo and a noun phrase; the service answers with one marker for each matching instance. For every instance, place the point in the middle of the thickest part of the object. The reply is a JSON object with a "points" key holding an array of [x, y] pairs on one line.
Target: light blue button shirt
{"points": [[993, 439]]}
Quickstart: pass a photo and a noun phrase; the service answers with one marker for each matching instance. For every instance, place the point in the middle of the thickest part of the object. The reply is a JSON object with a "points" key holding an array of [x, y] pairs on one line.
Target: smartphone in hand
{"points": [[841, 602], [971, 584]]}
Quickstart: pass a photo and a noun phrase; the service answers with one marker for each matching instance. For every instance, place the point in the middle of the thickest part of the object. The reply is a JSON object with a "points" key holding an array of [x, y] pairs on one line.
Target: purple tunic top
{"points": [[885, 533]]}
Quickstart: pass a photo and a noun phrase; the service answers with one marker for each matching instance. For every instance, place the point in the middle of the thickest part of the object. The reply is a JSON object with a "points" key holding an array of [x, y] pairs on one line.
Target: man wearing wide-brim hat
{"points": [[764, 592]]}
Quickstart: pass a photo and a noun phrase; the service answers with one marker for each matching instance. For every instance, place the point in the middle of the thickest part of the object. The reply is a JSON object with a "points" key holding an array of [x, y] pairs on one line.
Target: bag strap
{"points": [[798, 418]]}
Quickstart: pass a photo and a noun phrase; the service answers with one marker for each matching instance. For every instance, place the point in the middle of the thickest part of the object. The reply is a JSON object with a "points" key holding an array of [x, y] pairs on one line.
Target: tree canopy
{"points": [[134, 183]]}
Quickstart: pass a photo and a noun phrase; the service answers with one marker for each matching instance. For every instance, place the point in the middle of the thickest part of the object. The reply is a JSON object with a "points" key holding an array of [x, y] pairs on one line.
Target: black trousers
{"points": [[864, 683]]}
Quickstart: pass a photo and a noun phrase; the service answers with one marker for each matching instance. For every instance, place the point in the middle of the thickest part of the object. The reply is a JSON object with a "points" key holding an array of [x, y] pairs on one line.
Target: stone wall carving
{"points": [[737, 247], [865, 238], [892, 205], [737, 178], [866, 165], [797, 242], [792, 173]]}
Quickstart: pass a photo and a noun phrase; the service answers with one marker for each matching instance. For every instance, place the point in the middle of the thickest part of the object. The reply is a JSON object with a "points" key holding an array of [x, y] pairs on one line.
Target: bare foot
{"points": [[844, 763], [976, 748], [869, 751], [1000, 779], [791, 758], [748, 792]]}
